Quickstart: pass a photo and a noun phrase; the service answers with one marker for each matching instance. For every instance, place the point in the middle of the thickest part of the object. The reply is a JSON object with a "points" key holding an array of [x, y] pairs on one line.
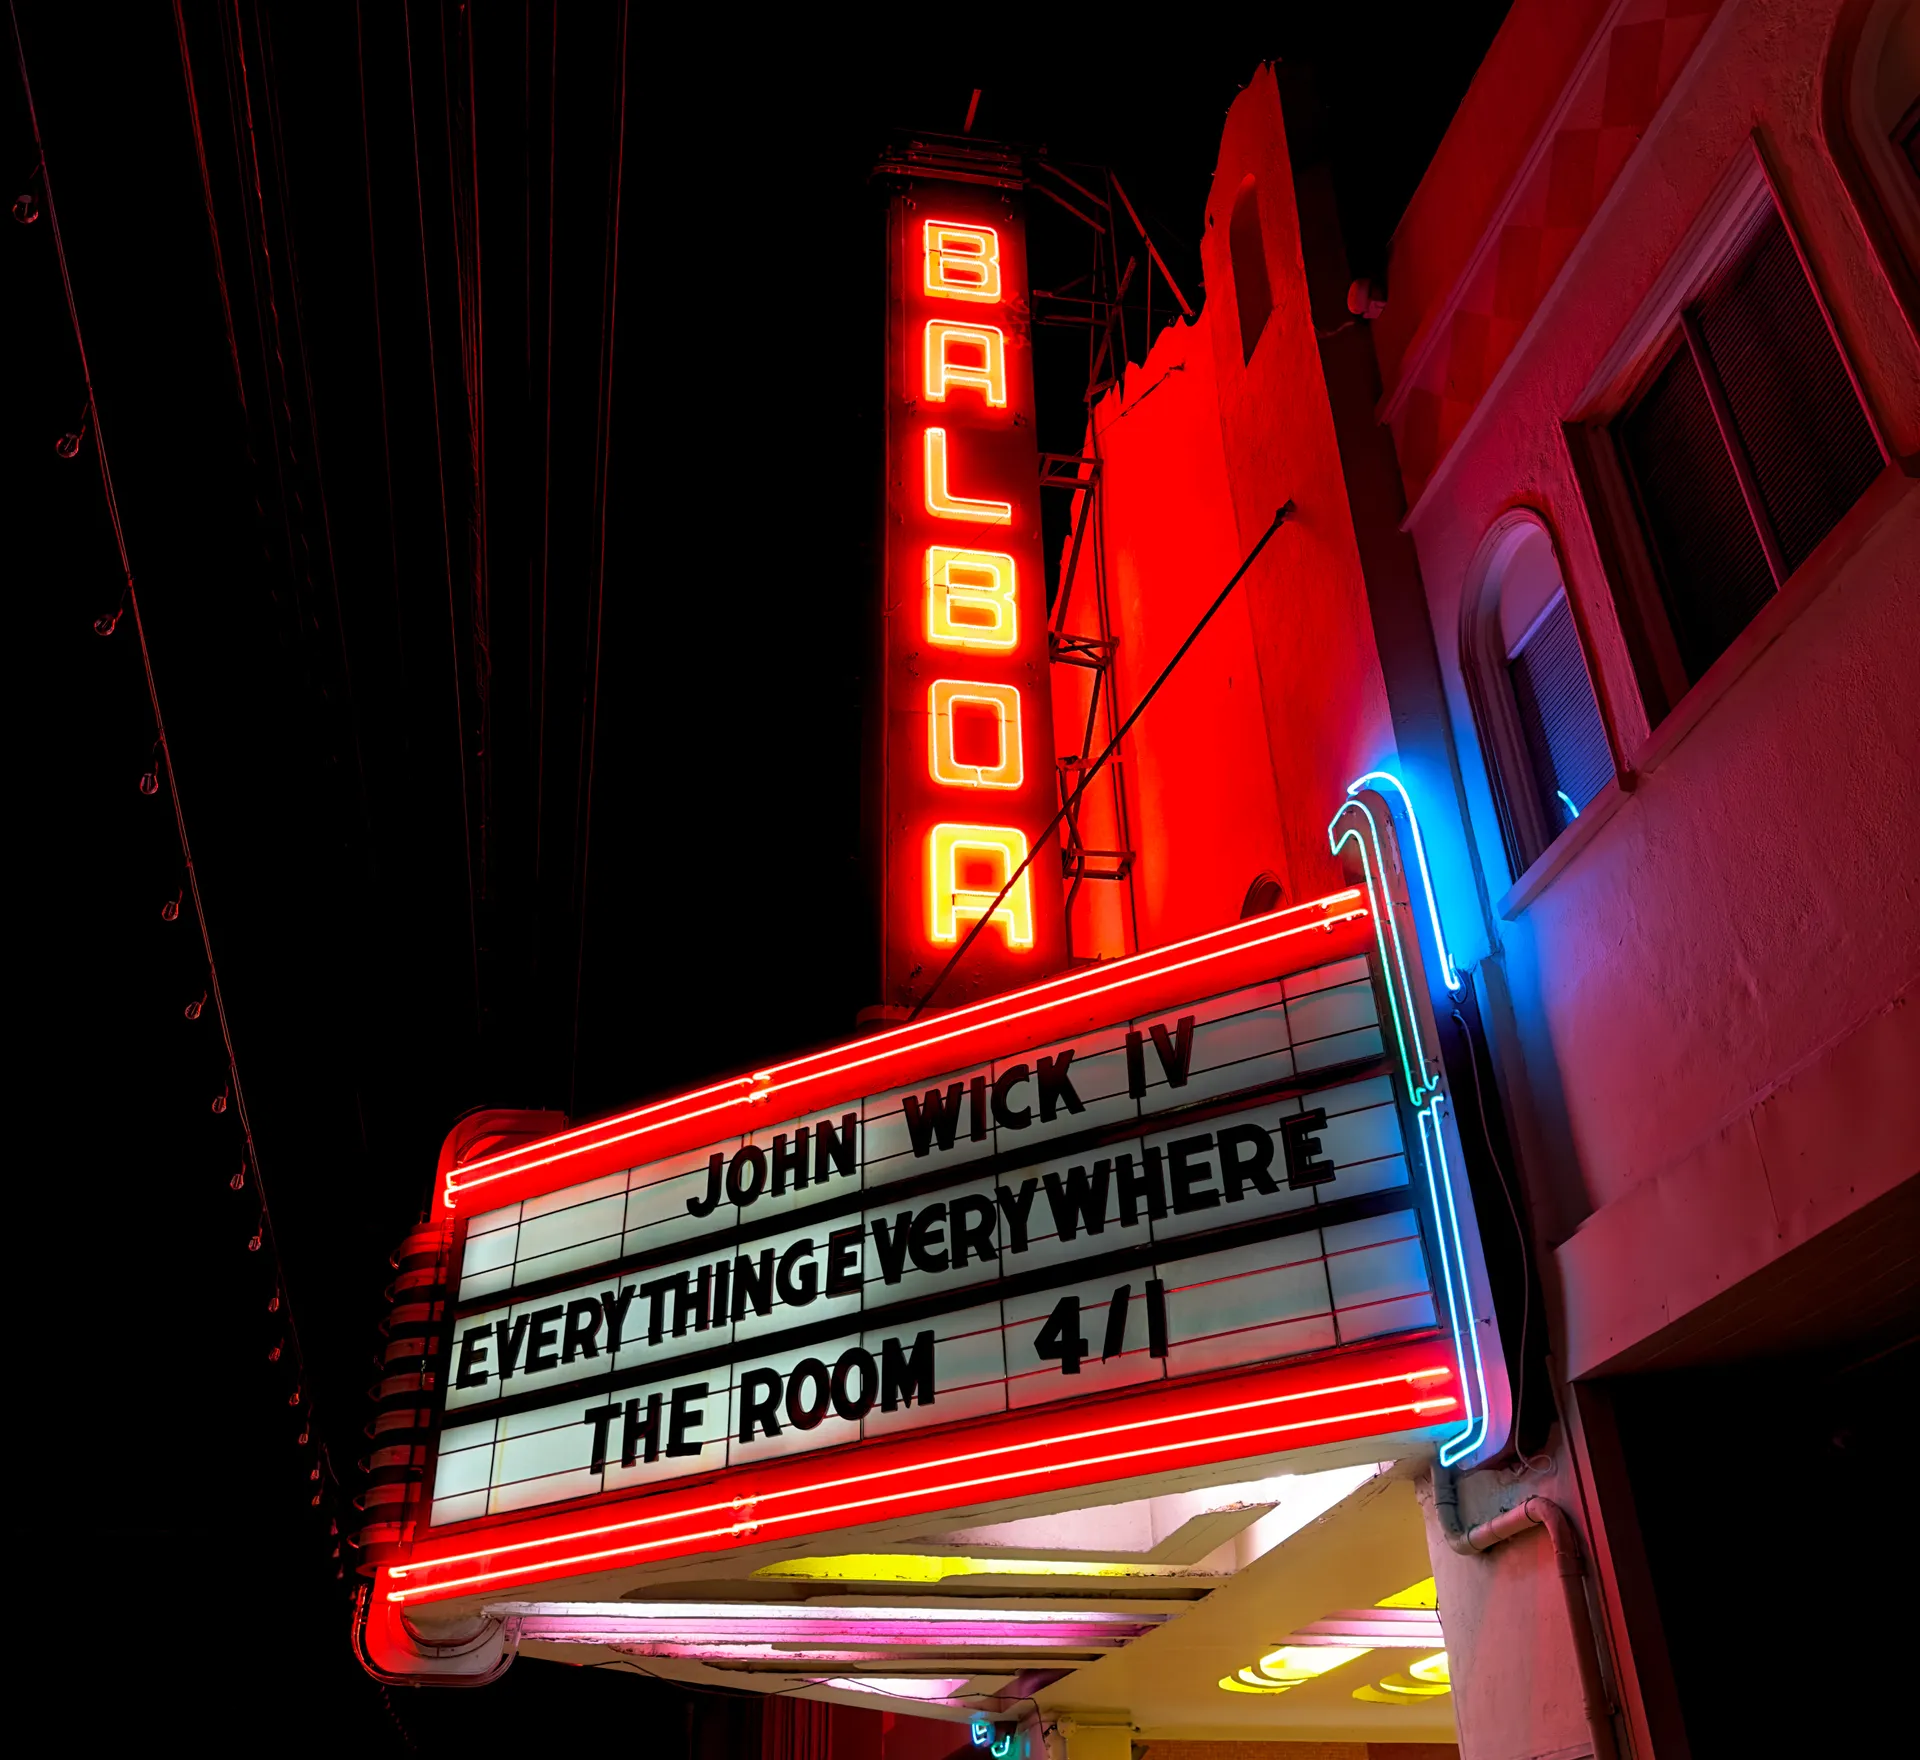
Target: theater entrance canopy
{"points": [[958, 1360]]}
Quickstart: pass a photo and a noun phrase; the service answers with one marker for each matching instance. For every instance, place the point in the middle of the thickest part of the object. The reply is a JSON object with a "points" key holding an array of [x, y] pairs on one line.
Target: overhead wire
{"points": [[379, 336], [270, 97], [446, 535], [546, 486], [206, 195], [266, 323], [609, 312], [1090, 771], [302, 1398], [463, 200]]}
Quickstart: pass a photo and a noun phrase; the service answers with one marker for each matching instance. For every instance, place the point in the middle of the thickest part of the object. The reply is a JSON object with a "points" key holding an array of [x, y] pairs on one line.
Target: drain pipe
{"points": [[1540, 1512]]}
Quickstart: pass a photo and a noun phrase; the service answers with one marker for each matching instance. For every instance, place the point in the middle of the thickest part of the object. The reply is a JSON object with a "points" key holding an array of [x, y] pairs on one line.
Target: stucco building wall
{"points": [[1754, 902], [1699, 1004]]}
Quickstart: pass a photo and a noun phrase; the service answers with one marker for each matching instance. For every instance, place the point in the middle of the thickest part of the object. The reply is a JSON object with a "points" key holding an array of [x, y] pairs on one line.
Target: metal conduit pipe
{"points": [[1541, 1512]]}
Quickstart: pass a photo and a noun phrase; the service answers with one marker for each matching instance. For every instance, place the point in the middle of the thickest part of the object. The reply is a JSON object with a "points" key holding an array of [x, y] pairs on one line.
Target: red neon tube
{"points": [[1221, 959], [1363, 1392]]}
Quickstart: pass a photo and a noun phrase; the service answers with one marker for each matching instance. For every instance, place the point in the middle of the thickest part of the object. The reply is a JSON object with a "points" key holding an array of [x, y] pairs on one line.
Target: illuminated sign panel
{"points": [[968, 770], [1164, 1214], [1222, 1184]]}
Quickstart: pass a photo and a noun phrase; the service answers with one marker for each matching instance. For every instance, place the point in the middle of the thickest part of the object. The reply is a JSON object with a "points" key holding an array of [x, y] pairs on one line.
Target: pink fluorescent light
{"points": [[682, 1616], [908, 1687], [1077, 1636], [1383, 1628], [796, 1659], [1075, 1630]]}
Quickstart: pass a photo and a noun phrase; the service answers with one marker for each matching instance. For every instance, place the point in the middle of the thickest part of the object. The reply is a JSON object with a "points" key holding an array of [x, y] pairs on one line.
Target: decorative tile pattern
{"points": [[1619, 92]]}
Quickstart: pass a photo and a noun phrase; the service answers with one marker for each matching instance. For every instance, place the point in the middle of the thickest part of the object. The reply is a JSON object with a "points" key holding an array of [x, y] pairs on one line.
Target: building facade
{"points": [[1461, 1145], [1609, 550]]}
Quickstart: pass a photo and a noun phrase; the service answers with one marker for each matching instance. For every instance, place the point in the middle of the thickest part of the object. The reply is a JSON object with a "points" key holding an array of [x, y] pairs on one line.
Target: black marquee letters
{"points": [[804, 1411], [811, 1156], [991, 1225], [1187, 1174], [1056, 1086], [472, 1370], [759, 1399], [807, 1393], [843, 1261], [906, 1378], [1081, 1202], [703, 1206], [798, 1279], [937, 1116], [740, 1188], [1246, 1152], [1305, 1165], [681, 1420], [1005, 1114]]}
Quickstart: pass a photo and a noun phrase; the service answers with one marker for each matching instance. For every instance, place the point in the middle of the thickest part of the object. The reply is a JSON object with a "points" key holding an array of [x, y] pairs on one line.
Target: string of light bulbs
{"points": [[161, 770]]}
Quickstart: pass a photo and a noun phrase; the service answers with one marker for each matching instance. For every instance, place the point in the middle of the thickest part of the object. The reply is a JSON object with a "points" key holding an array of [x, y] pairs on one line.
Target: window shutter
{"points": [[1559, 717], [1758, 394], [1793, 404], [1709, 558]]}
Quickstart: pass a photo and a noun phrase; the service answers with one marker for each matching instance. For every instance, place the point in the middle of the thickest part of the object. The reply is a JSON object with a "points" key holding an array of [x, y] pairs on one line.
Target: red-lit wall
{"points": [[1201, 798], [1239, 764], [1500, 119]]}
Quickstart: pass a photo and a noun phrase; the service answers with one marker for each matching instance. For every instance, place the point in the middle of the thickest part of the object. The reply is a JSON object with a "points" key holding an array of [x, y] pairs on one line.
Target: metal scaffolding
{"points": [[1096, 303]]}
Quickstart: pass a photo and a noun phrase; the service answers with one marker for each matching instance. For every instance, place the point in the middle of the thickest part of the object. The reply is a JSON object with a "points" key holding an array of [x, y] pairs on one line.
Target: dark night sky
{"points": [[306, 658]]}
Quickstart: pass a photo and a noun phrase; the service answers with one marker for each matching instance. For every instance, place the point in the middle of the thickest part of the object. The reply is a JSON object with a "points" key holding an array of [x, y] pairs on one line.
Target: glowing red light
{"points": [[965, 355], [1279, 1408], [1235, 953], [963, 262], [947, 700], [967, 865], [971, 598], [942, 503]]}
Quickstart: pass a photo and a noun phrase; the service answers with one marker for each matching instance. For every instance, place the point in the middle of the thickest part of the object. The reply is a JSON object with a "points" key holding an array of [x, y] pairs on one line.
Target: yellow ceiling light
{"points": [[1280, 1671], [915, 1567], [1429, 1678]]}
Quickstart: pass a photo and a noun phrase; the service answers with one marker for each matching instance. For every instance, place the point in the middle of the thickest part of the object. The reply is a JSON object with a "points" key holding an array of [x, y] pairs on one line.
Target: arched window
{"points": [[1265, 894], [1539, 720], [1251, 292], [1873, 129]]}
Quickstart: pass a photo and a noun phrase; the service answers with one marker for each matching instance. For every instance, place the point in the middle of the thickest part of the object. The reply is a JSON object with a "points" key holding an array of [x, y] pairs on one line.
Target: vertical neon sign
{"points": [[967, 766]]}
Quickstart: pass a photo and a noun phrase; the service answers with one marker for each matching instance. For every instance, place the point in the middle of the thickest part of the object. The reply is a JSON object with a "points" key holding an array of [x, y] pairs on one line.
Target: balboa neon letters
{"points": [[972, 602]]}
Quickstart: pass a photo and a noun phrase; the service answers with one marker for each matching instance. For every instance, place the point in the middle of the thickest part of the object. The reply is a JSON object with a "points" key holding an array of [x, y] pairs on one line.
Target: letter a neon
{"points": [[1000, 850], [966, 354]]}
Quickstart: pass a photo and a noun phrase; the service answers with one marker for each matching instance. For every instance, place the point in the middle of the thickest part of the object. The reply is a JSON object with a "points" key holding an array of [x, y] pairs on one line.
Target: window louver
{"points": [[1558, 716]]}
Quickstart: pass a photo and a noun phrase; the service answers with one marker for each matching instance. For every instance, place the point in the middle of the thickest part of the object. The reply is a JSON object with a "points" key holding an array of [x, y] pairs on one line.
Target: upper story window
{"points": [[1743, 445], [1747, 447], [1545, 744], [1872, 114], [1248, 248]]}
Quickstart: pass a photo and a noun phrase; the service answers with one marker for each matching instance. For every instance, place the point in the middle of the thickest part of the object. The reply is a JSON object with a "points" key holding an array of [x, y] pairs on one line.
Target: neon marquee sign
{"points": [[967, 763], [1161, 1214]]}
